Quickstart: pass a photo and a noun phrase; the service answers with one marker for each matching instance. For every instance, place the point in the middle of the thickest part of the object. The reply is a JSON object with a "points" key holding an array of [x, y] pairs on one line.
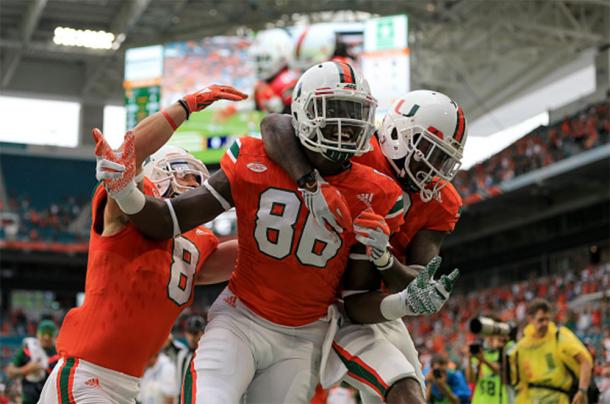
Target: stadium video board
{"points": [[158, 76]]}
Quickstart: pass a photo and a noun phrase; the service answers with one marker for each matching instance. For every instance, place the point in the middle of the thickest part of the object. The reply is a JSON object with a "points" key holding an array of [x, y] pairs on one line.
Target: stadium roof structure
{"points": [[483, 53]]}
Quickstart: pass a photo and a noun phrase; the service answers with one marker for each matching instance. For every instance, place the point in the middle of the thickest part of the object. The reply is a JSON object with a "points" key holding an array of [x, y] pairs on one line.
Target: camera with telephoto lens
{"points": [[488, 327], [437, 373]]}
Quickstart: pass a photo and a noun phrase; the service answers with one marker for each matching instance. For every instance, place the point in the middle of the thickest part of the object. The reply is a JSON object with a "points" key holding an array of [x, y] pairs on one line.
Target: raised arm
{"points": [[151, 134], [155, 130]]}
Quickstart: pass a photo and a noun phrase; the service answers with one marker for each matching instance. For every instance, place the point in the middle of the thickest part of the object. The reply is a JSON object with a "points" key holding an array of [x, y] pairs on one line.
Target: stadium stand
{"points": [[544, 146], [48, 196], [582, 302]]}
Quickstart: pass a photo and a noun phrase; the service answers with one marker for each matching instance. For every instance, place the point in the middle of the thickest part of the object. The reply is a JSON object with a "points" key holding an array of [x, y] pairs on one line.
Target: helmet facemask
{"points": [[338, 124], [427, 158], [168, 173]]}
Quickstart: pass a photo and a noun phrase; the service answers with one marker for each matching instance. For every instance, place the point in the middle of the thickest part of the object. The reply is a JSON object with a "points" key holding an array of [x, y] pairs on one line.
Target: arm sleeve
{"points": [[395, 216], [228, 162], [206, 247], [447, 212]]}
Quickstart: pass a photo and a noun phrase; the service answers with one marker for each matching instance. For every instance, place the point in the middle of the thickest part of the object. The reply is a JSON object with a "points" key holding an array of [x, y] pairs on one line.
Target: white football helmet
{"points": [[423, 138], [312, 45], [169, 165], [333, 111], [270, 52]]}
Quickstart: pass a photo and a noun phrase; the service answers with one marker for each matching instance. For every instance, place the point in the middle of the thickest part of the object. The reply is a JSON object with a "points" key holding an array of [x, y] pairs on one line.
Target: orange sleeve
{"points": [[228, 162], [98, 196], [448, 211], [206, 246], [395, 216]]}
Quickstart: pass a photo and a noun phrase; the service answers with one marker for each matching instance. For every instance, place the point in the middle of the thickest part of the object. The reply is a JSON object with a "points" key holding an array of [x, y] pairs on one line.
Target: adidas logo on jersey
{"points": [[93, 382], [367, 198], [231, 300]]}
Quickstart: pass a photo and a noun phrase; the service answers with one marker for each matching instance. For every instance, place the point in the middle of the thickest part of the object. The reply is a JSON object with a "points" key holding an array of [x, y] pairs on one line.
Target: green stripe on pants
{"points": [[64, 381]]}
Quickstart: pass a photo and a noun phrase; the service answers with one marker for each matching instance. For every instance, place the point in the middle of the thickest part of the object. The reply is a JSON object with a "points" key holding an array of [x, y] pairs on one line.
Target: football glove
{"points": [[372, 230], [327, 206], [117, 169], [204, 98], [423, 296]]}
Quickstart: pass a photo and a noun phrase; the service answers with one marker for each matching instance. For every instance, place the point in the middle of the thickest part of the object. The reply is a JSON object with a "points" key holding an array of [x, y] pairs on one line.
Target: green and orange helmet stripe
{"points": [[346, 73]]}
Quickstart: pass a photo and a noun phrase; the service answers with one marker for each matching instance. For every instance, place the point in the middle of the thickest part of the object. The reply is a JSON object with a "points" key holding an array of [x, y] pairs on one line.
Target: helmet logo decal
{"points": [[412, 111]]}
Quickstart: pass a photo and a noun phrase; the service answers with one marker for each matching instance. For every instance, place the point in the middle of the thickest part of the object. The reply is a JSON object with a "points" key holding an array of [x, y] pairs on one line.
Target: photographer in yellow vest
{"points": [[549, 364]]}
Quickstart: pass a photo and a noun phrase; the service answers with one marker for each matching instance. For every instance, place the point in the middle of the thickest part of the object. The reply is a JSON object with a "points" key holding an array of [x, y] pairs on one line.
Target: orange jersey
{"points": [[134, 291], [288, 270], [438, 214]]}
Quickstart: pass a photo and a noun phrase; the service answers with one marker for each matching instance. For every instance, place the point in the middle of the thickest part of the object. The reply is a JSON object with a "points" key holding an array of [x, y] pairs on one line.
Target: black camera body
{"points": [[475, 348], [437, 373]]}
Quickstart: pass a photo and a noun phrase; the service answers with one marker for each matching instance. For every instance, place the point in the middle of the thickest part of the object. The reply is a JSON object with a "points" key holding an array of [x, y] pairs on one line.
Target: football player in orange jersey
{"points": [[265, 332], [136, 287], [420, 145]]}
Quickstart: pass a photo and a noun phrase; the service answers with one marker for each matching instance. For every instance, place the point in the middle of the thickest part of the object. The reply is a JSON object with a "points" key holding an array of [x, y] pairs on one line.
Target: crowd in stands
{"points": [[543, 146], [447, 332], [51, 224]]}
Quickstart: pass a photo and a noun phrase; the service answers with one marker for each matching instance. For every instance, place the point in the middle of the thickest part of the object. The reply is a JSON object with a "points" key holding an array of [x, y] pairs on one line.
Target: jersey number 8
{"points": [[185, 257]]}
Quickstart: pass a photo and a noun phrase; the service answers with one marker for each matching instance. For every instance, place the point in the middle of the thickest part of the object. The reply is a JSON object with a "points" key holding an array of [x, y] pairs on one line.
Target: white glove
{"points": [[372, 230], [423, 296], [327, 206], [107, 169]]}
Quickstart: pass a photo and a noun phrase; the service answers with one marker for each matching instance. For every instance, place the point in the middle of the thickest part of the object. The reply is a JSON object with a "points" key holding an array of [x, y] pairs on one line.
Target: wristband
{"points": [[583, 390], [130, 200], [184, 105], [393, 306], [139, 177], [169, 119], [307, 181], [385, 261]]}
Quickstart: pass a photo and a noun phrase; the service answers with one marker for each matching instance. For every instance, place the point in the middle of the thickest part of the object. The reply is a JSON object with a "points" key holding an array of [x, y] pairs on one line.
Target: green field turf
{"points": [[192, 134]]}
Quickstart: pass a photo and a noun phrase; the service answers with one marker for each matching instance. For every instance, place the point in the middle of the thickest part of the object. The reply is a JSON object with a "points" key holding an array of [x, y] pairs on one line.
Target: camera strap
{"points": [[547, 387]]}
